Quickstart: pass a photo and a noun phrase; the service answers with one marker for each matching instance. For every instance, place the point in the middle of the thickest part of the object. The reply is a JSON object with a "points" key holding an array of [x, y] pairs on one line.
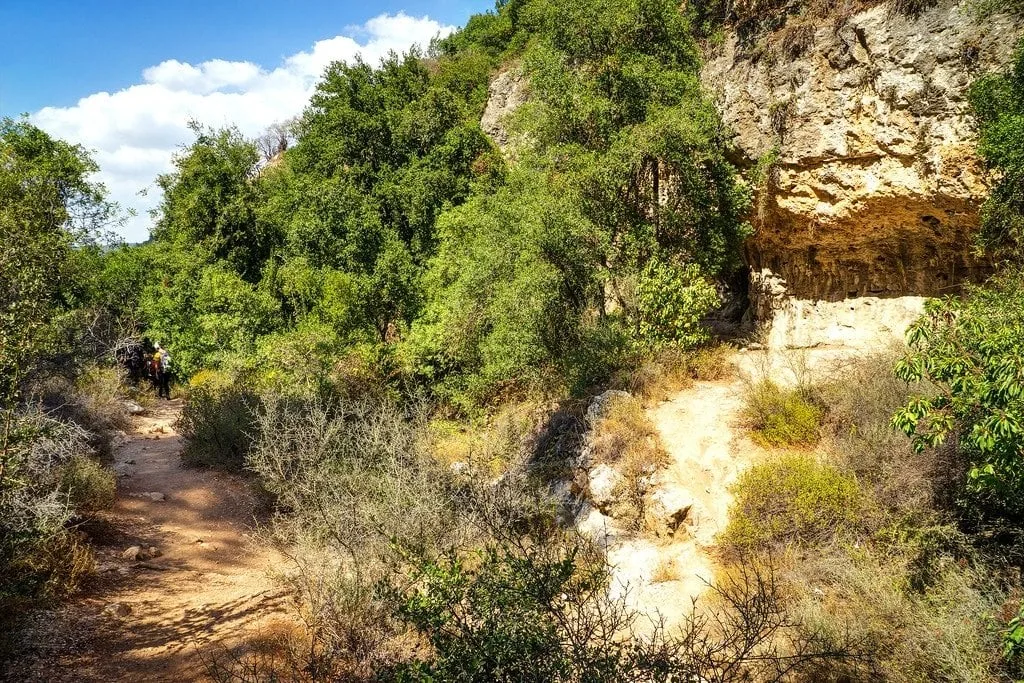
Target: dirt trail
{"points": [[699, 427], [158, 619]]}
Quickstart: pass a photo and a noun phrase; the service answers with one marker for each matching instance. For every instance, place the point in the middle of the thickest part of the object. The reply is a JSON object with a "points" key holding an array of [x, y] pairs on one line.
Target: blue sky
{"points": [[54, 52], [124, 78]]}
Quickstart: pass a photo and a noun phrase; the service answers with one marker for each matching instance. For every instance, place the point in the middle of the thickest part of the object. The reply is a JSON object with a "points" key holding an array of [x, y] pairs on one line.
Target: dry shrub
{"points": [[862, 441], [938, 632], [94, 402], [48, 483], [219, 421], [655, 378], [795, 39], [89, 486], [625, 438], [666, 570]]}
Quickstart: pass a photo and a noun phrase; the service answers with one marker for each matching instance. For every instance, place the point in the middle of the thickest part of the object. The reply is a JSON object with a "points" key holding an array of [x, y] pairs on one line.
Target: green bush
{"points": [[781, 416], [672, 299], [218, 422], [970, 350], [792, 499]]}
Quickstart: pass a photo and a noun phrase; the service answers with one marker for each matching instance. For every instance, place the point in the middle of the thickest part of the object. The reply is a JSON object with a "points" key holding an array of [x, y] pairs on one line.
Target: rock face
{"points": [[875, 187], [507, 91]]}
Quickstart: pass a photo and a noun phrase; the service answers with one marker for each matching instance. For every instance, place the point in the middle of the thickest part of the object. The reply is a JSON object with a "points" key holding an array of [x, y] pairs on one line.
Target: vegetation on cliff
{"points": [[334, 307]]}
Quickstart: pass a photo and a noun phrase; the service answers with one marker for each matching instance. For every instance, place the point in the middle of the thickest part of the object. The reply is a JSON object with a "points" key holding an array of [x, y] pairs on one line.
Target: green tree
{"points": [[971, 350], [48, 209], [998, 103]]}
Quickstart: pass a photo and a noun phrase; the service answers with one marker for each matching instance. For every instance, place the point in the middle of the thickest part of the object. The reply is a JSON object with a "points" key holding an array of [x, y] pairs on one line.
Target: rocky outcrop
{"points": [[875, 185], [872, 185], [506, 93]]}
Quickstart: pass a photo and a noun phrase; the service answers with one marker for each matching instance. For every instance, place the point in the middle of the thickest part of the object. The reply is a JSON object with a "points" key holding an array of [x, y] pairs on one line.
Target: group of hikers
{"points": [[143, 361]]}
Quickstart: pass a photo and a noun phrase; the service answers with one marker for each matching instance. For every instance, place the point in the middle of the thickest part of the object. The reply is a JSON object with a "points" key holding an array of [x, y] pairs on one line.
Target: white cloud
{"points": [[135, 132]]}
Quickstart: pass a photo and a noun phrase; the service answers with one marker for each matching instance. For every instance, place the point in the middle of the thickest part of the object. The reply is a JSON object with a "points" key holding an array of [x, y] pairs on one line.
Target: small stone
{"points": [[133, 408], [119, 610], [154, 496], [135, 554], [154, 551]]}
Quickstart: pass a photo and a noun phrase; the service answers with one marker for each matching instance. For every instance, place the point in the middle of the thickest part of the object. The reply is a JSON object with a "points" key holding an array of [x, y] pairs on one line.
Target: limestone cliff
{"points": [[871, 198], [875, 186]]}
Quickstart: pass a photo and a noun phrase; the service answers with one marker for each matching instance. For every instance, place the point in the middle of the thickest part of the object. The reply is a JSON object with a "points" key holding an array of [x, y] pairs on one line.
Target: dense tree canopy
{"points": [[395, 222]]}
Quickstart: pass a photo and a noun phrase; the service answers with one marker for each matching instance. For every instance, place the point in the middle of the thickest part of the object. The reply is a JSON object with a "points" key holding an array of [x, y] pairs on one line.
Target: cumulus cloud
{"points": [[135, 132]]}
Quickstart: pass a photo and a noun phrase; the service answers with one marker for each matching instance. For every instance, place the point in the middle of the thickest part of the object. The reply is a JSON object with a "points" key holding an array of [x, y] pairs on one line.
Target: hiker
{"points": [[162, 366]]}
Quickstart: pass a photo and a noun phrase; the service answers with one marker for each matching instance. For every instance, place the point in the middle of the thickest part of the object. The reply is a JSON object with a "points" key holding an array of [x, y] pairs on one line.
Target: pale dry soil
{"points": [[208, 591], [708, 449], [701, 428]]}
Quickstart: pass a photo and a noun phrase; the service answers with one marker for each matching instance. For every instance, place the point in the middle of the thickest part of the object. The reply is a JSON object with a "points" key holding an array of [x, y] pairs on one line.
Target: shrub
{"points": [[516, 612], [909, 487], [671, 302], [782, 417], [45, 471], [970, 350], [656, 376], [937, 632], [791, 499], [93, 401], [218, 422], [90, 487]]}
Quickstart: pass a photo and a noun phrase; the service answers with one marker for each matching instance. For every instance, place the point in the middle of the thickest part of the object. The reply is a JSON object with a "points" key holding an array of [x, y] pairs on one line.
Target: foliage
{"points": [[48, 481], [671, 301], [792, 498], [47, 207], [970, 350], [998, 103], [218, 422], [782, 416], [1013, 637], [514, 612]]}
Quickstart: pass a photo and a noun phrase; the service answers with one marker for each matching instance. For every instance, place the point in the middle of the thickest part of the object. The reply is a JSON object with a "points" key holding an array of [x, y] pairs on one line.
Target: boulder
{"points": [[668, 507], [602, 486]]}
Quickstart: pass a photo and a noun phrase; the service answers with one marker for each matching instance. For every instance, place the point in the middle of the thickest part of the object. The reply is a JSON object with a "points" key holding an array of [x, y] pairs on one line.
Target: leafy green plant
{"points": [[671, 302], [970, 349], [1013, 637], [998, 103], [782, 416]]}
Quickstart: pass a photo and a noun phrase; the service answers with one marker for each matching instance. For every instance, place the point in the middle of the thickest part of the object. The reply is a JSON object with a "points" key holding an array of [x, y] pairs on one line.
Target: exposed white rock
{"points": [[603, 485], [667, 509], [506, 93]]}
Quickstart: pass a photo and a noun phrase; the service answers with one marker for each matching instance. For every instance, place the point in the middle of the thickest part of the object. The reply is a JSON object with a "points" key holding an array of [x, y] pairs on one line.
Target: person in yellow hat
{"points": [[162, 364]]}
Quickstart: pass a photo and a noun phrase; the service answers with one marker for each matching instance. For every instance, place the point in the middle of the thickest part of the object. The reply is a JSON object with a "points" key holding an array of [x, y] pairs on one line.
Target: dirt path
{"points": [[701, 428], [708, 449], [158, 619]]}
